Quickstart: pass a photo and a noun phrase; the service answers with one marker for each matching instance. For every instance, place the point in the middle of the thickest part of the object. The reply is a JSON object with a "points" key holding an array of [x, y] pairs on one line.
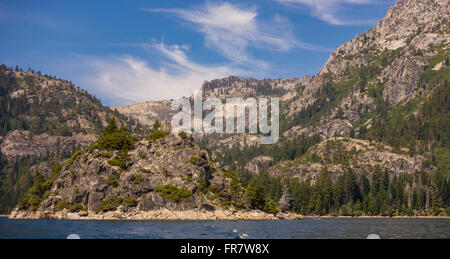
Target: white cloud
{"points": [[231, 30], [126, 79], [331, 10], [169, 73]]}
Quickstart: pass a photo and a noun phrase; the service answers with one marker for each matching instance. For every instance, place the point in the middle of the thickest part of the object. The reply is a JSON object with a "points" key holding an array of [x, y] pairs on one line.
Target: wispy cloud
{"points": [[229, 29], [127, 79], [331, 11], [232, 29]]}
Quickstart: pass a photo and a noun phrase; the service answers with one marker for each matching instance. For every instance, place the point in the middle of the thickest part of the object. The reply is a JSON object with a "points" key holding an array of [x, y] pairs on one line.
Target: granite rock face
{"points": [[148, 112], [22, 143], [92, 179], [336, 155], [410, 28], [258, 164]]}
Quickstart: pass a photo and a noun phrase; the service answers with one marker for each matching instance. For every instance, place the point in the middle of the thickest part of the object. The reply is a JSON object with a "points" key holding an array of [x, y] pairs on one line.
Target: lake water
{"points": [[298, 229]]}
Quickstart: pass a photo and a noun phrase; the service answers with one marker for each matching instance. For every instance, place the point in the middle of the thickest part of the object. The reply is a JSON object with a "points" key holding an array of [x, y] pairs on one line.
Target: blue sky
{"points": [[132, 51]]}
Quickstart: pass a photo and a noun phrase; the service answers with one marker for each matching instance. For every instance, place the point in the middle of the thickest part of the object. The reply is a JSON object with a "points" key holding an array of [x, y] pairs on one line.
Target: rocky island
{"points": [[161, 177]]}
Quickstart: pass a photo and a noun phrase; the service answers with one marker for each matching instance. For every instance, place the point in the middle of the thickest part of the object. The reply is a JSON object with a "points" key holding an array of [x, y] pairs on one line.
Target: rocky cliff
{"points": [[411, 31]]}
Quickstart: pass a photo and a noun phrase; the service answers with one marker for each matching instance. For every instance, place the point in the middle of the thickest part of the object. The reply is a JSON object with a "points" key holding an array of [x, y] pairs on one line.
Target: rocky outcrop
{"points": [[285, 201], [336, 127], [148, 112], [404, 22], [248, 87], [258, 164], [168, 177], [336, 155], [151, 165], [21, 143], [389, 58]]}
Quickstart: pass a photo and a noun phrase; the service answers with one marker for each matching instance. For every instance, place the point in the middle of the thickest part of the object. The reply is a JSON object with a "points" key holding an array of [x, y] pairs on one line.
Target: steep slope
{"points": [[43, 120], [388, 60]]}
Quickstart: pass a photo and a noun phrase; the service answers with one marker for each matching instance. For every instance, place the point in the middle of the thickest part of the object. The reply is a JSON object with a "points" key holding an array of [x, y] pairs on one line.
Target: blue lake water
{"points": [[298, 229]]}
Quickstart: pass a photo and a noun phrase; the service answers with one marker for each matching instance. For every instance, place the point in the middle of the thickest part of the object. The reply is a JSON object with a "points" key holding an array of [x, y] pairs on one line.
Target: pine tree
{"points": [[112, 126]]}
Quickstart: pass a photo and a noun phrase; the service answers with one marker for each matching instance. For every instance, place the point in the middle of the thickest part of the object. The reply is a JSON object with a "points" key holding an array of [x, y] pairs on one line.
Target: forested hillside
{"points": [[43, 121]]}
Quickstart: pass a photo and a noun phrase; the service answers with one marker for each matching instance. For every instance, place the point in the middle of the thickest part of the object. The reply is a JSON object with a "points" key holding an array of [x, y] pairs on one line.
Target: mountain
{"points": [[369, 134], [148, 112], [43, 121]]}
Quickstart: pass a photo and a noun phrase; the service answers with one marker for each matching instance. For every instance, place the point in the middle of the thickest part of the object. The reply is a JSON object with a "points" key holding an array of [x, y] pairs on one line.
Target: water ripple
{"points": [[308, 228]]}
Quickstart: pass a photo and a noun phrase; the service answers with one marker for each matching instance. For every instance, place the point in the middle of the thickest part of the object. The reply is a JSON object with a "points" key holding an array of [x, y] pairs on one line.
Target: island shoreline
{"points": [[167, 215]]}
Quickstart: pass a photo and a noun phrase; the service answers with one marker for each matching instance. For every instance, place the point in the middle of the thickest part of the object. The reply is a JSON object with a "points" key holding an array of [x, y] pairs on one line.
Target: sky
{"points": [[126, 52]]}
